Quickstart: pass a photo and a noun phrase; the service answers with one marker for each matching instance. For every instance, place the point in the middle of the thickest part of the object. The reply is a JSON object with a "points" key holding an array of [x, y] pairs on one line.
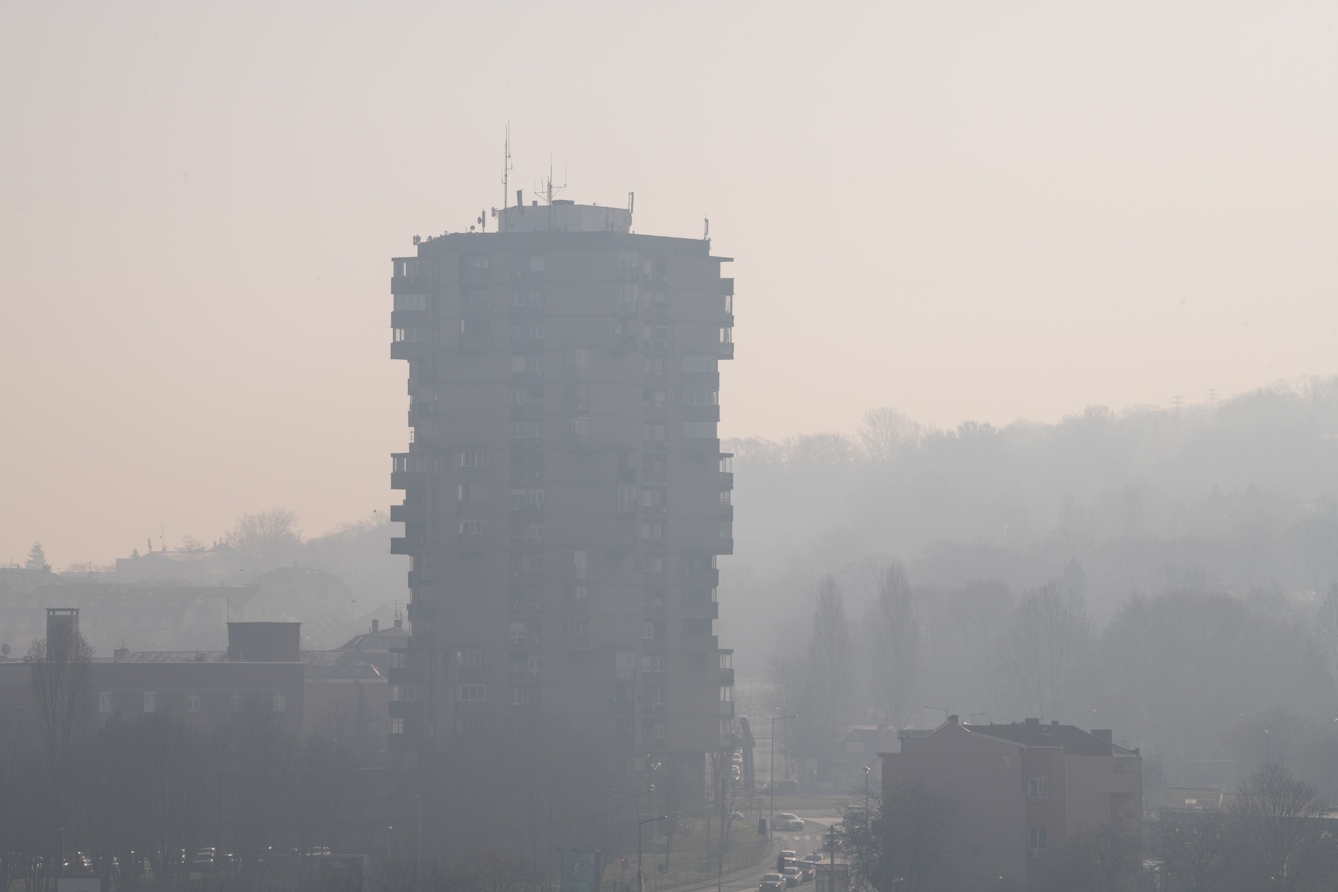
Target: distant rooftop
{"points": [[564, 216]]}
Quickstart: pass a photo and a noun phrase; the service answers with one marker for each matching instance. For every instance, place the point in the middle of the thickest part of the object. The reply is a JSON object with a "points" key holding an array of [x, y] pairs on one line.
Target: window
{"points": [[727, 335], [474, 459], [701, 397], [404, 692], [627, 300], [574, 628], [654, 432], [473, 527], [397, 726], [577, 426], [699, 430], [473, 693], [532, 298], [648, 631], [473, 327], [527, 329], [657, 731], [522, 432], [652, 533], [277, 702], [726, 529], [579, 359], [1037, 839], [150, 701], [725, 497], [471, 660], [655, 399], [472, 492], [1038, 787], [727, 661], [652, 498], [654, 365], [579, 561], [624, 665], [652, 664], [698, 364], [628, 266], [236, 702], [477, 261], [104, 701], [413, 302], [626, 498], [1126, 763], [517, 635], [519, 397], [515, 697], [534, 666], [193, 702], [660, 696]]}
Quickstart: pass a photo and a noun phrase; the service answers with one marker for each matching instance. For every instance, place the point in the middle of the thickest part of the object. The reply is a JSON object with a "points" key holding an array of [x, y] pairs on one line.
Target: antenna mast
{"points": [[506, 163]]}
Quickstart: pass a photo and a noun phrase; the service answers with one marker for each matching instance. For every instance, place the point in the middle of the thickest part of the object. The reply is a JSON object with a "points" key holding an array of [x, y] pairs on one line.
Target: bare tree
{"points": [[911, 843], [62, 684], [1044, 656], [268, 538], [1198, 852], [1104, 858], [831, 661], [1284, 832], [1326, 629], [895, 632], [883, 432]]}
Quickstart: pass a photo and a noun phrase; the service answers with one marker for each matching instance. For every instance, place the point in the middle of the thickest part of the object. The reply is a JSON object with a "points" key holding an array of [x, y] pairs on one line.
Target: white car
{"points": [[786, 821]]}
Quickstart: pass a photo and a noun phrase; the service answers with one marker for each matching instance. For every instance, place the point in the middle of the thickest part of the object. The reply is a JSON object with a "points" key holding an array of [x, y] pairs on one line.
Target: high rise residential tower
{"points": [[565, 496]]}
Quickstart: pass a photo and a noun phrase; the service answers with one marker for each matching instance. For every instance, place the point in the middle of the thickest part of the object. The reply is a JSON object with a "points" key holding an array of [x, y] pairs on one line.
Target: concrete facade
{"points": [[1021, 789], [565, 493]]}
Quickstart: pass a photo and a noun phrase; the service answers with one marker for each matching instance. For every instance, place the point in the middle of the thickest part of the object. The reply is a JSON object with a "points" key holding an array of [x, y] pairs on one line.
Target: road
{"points": [[811, 839]]}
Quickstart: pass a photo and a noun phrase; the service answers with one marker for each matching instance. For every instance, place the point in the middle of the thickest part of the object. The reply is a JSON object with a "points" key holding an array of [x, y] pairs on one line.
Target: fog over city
{"points": [[586, 448]]}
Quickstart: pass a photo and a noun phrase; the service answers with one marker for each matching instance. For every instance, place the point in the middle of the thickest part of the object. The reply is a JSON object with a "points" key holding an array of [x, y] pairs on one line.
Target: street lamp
{"points": [[640, 878], [771, 819], [636, 798]]}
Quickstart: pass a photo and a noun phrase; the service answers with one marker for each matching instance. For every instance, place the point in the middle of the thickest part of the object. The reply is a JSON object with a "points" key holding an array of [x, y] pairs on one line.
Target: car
{"points": [[807, 870], [737, 758], [786, 821], [771, 882], [813, 857], [792, 877]]}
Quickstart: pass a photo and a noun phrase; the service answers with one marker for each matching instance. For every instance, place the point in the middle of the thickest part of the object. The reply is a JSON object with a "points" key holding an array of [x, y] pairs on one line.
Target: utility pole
{"points": [[419, 798], [771, 780]]}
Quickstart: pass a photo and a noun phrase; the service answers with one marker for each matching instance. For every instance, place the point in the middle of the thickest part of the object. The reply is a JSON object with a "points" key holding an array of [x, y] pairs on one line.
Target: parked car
{"points": [[786, 821], [792, 877], [772, 882]]}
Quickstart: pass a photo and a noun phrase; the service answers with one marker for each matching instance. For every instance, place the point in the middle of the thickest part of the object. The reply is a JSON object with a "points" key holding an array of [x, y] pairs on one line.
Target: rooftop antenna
{"points": [[506, 163], [550, 190]]}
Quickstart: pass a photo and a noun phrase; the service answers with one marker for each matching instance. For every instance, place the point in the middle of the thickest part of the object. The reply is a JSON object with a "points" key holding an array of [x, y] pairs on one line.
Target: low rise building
{"points": [[1021, 789]]}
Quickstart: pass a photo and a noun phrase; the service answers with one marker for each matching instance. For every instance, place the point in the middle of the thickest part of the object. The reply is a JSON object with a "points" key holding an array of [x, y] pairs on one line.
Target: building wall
{"points": [[1097, 793], [985, 778]]}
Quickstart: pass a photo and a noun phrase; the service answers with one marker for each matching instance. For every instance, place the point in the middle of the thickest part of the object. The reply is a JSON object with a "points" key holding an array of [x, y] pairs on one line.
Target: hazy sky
{"points": [[982, 211]]}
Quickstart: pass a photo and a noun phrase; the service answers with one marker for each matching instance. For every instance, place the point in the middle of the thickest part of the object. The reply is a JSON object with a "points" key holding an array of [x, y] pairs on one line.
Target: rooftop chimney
{"points": [[375, 623], [1055, 723]]}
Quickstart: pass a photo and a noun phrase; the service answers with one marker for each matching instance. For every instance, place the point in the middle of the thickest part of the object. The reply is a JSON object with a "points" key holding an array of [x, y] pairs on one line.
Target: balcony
{"points": [[406, 709], [727, 678], [703, 446], [407, 546], [701, 413], [407, 513], [727, 512], [409, 479], [727, 708], [726, 480], [411, 350], [703, 578], [726, 350]]}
